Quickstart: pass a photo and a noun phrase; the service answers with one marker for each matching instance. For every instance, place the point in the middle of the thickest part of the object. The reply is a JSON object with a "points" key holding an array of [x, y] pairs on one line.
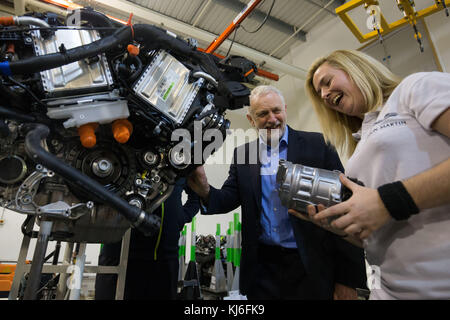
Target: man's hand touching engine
{"points": [[198, 182]]}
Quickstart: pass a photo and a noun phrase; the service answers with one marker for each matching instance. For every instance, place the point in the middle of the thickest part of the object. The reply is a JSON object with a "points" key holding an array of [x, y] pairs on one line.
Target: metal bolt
{"points": [[104, 165], [26, 199], [150, 158], [102, 168], [136, 203]]}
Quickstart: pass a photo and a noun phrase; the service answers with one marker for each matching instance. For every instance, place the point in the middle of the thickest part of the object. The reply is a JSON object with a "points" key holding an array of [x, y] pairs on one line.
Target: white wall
{"points": [[439, 27]]}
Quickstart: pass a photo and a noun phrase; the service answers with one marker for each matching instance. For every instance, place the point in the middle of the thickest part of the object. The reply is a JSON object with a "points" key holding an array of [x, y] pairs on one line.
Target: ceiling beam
{"points": [[202, 12], [39, 6], [19, 7], [148, 16], [7, 8]]}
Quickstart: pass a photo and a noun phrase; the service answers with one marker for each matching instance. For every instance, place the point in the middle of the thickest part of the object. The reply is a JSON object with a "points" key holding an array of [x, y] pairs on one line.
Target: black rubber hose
{"points": [[147, 223], [97, 19], [54, 60], [138, 70], [11, 114], [154, 37]]}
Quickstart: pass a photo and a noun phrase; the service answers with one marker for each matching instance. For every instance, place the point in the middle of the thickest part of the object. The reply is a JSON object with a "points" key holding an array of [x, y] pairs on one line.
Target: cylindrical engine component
{"points": [[23, 21], [300, 186]]}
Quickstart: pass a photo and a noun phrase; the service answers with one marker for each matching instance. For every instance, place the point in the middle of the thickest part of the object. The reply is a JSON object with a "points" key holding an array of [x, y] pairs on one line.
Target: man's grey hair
{"points": [[263, 90]]}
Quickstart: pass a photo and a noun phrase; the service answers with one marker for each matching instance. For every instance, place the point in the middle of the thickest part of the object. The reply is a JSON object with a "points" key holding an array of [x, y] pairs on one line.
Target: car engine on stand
{"points": [[87, 117]]}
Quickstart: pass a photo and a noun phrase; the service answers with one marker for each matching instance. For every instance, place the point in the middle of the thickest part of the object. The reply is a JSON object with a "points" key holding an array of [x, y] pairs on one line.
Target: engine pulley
{"points": [[109, 163]]}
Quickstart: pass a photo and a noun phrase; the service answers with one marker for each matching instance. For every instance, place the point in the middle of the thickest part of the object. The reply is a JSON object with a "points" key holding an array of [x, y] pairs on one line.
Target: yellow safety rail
{"points": [[410, 16]]}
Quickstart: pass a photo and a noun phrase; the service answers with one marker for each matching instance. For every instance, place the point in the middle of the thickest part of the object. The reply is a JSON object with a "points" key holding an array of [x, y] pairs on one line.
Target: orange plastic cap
{"points": [[87, 134], [133, 50], [122, 130]]}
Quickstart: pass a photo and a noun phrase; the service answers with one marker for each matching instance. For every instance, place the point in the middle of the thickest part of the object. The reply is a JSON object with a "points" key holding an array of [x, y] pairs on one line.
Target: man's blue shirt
{"points": [[277, 229]]}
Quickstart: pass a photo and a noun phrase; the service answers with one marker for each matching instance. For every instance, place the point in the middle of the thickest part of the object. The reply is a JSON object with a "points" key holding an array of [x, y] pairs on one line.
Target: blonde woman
{"points": [[396, 133]]}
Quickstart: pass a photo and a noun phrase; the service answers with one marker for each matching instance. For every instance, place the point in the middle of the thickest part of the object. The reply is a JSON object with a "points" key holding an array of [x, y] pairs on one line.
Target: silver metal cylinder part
{"points": [[300, 186]]}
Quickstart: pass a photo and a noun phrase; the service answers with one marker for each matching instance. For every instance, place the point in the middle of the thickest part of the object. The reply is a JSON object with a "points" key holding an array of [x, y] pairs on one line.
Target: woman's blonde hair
{"points": [[375, 81]]}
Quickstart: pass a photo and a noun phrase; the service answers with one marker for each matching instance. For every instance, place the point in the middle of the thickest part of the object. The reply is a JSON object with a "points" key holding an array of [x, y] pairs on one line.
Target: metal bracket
{"points": [[60, 209], [29, 188]]}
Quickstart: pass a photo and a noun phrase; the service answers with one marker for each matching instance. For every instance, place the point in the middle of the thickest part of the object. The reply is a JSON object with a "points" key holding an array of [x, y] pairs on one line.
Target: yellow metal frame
{"points": [[411, 17]]}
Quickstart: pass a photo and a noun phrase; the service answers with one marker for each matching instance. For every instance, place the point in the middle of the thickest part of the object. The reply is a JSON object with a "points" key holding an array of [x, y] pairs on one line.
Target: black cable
{"points": [[232, 42], [137, 71], [264, 21], [254, 31]]}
